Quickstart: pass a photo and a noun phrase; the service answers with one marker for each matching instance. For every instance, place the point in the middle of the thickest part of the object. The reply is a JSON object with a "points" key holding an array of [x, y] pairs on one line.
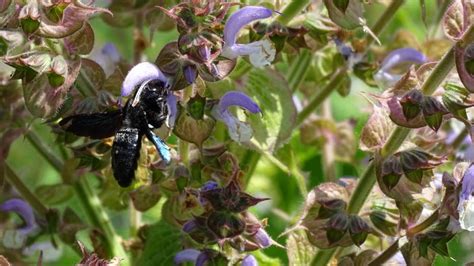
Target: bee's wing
{"points": [[96, 126]]}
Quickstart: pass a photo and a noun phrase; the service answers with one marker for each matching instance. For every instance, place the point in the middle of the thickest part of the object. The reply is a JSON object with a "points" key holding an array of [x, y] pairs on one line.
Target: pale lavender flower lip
{"points": [[139, 74], [261, 53], [395, 58], [466, 200], [24, 210], [187, 255], [249, 260]]}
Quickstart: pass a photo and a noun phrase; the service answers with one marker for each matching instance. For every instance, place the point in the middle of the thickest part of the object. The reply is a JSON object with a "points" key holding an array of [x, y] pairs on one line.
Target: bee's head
{"points": [[151, 91]]}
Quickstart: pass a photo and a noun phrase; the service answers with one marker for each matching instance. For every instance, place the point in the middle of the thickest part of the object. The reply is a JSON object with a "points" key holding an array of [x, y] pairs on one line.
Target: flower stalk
{"points": [[291, 10], [90, 202], [24, 191], [367, 180]]}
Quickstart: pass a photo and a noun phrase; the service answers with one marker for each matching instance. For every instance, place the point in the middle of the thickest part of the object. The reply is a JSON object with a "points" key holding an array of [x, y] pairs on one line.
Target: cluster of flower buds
{"points": [[203, 49], [225, 221], [327, 222], [411, 163]]}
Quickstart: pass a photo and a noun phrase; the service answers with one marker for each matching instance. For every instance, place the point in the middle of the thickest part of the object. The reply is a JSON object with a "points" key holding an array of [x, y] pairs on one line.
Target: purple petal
{"points": [[262, 238], [400, 56], [467, 184], [189, 226], [209, 185], [205, 53], [237, 98], [172, 103], [140, 73], [187, 255], [249, 260], [241, 18], [202, 259], [111, 51], [23, 209], [190, 73], [343, 49], [461, 56]]}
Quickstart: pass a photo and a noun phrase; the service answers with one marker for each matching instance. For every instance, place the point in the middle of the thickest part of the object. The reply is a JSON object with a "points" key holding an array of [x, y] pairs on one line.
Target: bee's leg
{"points": [[160, 145]]}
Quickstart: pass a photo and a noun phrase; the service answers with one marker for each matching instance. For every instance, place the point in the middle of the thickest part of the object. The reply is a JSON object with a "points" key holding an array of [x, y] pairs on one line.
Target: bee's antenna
{"points": [[139, 92]]}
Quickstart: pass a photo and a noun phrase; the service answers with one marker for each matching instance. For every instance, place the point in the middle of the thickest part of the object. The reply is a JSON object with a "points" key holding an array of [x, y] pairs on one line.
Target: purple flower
{"points": [[172, 103], [395, 58], [16, 238], [260, 53], [249, 260], [466, 200], [107, 57], [349, 55], [239, 131], [262, 238], [141, 74], [187, 255], [24, 210]]}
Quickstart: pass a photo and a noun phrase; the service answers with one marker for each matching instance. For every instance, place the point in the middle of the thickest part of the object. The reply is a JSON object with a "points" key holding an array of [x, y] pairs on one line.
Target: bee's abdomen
{"points": [[125, 154]]}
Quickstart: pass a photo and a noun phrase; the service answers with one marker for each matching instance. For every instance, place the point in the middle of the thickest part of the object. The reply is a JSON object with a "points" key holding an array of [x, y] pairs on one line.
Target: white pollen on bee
{"points": [[150, 126]]}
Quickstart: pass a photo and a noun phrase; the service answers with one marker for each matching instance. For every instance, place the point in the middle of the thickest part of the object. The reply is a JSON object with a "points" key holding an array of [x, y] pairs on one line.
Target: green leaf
{"points": [[264, 260], [81, 42], [54, 194], [299, 249], [349, 18], [162, 242], [453, 21], [272, 93], [43, 100], [55, 13]]}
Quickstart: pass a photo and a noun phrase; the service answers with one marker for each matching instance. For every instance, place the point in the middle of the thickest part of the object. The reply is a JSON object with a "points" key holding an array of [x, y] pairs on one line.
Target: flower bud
{"points": [[383, 222], [410, 103], [414, 162], [225, 224], [433, 112], [249, 260], [358, 229], [391, 171], [29, 17], [464, 57], [336, 227], [330, 207]]}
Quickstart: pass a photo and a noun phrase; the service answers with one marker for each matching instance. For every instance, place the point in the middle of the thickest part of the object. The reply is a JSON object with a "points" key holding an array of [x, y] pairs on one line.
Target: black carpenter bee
{"points": [[142, 113]]}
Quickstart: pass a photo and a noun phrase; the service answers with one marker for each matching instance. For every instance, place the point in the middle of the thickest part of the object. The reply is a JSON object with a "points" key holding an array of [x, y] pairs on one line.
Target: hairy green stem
{"points": [[292, 169], [367, 181], [328, 156], [88, 199], [382, 22], [386, 254], [25, 193], [318, 99], [250, 160], [291, 10], [298, 69]]}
